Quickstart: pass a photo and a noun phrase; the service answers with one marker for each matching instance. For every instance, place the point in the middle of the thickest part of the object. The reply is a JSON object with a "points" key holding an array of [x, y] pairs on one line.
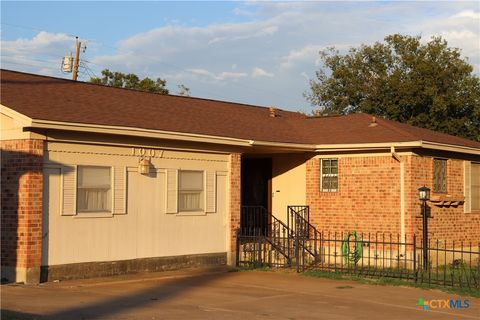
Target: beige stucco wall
{"points": [[288, 183], [145, 230]]}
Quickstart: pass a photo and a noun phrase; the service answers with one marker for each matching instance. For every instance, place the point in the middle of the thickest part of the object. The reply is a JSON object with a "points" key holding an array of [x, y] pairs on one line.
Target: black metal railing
{"points": [[299, 244], [263, 239], [306, 236], [386, 255], [254, 221]]}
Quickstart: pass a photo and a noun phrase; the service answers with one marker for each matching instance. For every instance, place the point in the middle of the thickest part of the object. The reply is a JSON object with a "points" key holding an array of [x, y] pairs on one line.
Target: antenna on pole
{"points": [[77, 59]]}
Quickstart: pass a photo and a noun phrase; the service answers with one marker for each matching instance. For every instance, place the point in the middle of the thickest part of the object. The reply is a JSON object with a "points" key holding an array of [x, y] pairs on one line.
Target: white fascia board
{"points": [[396, 145], [450, 147], [139, 132], [284, 145], [367, 146]]}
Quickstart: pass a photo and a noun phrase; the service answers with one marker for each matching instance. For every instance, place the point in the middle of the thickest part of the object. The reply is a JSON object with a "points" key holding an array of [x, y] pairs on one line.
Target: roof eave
{"points": [[397, 145]]}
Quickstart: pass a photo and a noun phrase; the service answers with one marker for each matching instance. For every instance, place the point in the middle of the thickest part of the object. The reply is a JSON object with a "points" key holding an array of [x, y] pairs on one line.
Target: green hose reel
{"points": [[352, 248]]}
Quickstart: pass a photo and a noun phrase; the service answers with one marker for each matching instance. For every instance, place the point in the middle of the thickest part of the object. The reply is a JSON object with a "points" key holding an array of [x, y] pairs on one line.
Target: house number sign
{"points": [[143, 152]]}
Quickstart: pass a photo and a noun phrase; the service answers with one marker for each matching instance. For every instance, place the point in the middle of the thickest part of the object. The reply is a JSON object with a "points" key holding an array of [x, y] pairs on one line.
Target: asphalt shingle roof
{"points": [[54, 99]]}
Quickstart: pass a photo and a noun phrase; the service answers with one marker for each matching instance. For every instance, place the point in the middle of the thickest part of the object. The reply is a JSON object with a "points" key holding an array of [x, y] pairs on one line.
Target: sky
{"points": [[255, 52]]}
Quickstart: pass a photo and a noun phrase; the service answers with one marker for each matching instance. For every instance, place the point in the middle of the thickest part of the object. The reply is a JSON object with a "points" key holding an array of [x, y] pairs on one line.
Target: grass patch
{"points": [[392, 282]]}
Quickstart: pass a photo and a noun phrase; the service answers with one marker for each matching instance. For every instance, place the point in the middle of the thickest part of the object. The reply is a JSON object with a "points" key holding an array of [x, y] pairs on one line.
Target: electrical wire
{"points": [[153, 59]]}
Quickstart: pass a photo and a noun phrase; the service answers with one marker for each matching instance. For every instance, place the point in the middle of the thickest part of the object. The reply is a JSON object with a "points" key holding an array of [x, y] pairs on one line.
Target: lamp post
{"points": [[424, 196]]}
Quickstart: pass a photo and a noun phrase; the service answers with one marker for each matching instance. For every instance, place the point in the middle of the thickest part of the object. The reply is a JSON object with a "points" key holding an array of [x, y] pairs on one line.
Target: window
{"points": [[190, 191], [329, 175], [440, 175], [94, 189], [475, 186]]}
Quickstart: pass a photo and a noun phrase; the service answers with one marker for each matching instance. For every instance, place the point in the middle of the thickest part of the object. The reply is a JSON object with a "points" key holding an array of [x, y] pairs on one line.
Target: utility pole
{"points": [[76, 61]]}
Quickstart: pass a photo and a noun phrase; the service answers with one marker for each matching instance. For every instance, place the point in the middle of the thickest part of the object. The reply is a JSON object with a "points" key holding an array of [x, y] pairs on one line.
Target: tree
{"points": [[183, 90], [130, 81], [426, 85]]}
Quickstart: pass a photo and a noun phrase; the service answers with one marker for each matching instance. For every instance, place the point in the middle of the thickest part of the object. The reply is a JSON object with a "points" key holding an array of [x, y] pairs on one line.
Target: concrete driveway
{"points": [[217, 294]]}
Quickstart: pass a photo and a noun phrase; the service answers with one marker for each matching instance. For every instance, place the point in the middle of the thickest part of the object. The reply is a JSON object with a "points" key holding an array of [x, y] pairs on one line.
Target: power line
{"points": [[23, 58], [31, 65], [153, 59], [33, 28]]}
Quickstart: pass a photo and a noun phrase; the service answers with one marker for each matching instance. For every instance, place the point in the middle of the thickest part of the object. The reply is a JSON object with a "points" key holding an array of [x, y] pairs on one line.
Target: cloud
{"points": [[461, 30], [42, 43], [259, 72], [219, 76], [267, 57], [470, 14], [305, 54]]}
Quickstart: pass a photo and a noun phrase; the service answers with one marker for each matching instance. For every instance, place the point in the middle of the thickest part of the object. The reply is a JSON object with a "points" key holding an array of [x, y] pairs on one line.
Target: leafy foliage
{"points": [[426, 85], [130, 81], [183, 90]]}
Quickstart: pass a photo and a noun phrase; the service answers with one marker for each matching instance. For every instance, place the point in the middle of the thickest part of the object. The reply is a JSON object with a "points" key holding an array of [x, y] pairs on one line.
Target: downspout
{"points": [[402, 192]]}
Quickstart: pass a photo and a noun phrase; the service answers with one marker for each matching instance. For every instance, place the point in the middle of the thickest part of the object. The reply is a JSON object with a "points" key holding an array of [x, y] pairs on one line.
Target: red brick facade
{"points": [[447, 222], [21, 218], [368, 198], [235, 200]]}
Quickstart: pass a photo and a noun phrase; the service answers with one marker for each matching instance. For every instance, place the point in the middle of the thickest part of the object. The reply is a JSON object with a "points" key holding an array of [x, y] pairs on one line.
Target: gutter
{"points": [[161, 134], [171, 135], [398, 145], [402, 194]]}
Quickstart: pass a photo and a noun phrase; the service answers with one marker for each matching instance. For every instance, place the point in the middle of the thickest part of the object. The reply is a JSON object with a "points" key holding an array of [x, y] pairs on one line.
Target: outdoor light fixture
{"points": [[424, 193], [424, 196], [144, 167]]}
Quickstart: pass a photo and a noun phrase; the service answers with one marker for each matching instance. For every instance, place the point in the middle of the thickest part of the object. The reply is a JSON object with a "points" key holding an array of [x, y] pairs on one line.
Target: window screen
{"points": [[94, 189], [329, 174], [190, 191]]}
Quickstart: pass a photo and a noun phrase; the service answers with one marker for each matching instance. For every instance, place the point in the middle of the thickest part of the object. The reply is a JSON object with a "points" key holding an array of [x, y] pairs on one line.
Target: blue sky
{"points": [[260, 53]]}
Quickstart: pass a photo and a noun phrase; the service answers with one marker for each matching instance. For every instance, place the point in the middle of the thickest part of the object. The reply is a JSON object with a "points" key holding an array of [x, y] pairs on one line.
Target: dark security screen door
{"points": [[256, 192]]}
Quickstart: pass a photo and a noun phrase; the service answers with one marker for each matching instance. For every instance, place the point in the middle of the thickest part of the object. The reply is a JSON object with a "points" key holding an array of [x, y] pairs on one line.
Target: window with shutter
{"points": [[94, 189], [475, 186], [190, 191], [172, 191], [211, 186], [119, 190], [69, 190], [440, 175]]}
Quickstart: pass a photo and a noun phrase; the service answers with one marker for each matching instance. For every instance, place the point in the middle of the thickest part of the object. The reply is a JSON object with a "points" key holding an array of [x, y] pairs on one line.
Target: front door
{"points": [[256, 193]]}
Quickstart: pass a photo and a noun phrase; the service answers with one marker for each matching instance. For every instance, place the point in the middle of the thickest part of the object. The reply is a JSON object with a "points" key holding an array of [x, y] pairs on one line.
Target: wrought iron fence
{"points": [[451, 263]]}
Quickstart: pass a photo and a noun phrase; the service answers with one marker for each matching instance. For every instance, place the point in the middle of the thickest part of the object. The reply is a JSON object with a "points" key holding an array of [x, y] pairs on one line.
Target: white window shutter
{"points": [[210, 192], [69, 190], [467, 186], [172, 191], [119, 190]]}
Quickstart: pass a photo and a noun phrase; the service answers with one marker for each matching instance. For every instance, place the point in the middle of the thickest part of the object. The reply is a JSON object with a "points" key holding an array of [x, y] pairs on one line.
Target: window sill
{"points": [[192, 213], [94, 215]]}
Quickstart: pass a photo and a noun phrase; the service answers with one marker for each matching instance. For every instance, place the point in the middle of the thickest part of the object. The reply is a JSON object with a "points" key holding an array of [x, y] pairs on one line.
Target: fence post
{"points": [[297, 245], [415, 257], [237, 253]]}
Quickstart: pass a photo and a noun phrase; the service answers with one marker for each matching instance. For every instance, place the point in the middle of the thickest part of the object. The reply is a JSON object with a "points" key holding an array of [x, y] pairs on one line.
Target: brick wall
{"points": [[368, 198], [235, 200], [21, 218], [447, 222]]}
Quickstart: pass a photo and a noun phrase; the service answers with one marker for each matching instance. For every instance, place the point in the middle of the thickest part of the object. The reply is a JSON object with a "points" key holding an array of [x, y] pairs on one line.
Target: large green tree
{"points": [[131, 81], [423, 84]]}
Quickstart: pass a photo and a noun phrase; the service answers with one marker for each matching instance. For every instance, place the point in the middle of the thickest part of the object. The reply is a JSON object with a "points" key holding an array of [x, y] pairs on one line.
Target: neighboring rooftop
{"points": [[54, 99]]}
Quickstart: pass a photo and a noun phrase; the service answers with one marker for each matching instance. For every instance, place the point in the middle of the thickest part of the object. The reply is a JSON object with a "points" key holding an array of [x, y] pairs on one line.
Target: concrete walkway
{"points": [[216, 294]]}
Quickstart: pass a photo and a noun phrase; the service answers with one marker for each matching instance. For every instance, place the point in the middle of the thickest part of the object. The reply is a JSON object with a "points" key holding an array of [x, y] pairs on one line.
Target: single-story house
{"points": [[98, 180]]}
